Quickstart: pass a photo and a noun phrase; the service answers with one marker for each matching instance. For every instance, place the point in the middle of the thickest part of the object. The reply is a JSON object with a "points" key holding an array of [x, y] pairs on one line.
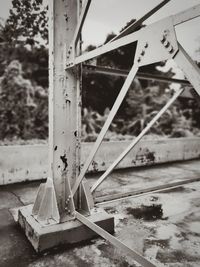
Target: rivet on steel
{"points": [[166, 44], [163, 39], [171, 49]]}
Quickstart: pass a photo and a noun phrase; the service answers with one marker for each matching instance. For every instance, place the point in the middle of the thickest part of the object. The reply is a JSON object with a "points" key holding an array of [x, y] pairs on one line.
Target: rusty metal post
{"points": [[64, 101]]}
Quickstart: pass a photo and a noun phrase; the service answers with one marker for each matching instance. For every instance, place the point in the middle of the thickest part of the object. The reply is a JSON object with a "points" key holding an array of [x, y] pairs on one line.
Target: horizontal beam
{"points": [[141, 192], [139, 75], [114, 241], [139, 22]]}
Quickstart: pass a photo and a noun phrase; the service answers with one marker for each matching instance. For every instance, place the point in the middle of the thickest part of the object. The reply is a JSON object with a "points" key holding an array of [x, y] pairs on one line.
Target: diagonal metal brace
{"points": [[133, 27], [188, 66], [135, 141], [114, 241], [107, 124]]}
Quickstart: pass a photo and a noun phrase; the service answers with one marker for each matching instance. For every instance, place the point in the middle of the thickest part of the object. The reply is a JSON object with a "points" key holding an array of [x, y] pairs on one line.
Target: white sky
{"points": [[106, 16]]}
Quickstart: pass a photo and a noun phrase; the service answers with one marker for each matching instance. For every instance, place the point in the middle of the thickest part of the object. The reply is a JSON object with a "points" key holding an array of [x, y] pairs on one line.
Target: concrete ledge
{"points": [[46, 237], [30, 162]]}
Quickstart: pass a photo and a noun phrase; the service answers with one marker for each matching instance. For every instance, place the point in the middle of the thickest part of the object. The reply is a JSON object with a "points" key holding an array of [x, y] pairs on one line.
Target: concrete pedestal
{"points": [[46, 237]]}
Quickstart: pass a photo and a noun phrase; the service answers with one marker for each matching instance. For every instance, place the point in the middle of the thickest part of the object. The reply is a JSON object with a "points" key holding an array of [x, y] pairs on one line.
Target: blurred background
{"points": [[24, 74]]}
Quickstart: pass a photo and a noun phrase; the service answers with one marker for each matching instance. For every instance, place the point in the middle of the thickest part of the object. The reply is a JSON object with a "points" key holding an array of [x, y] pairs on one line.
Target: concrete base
{"points": [[46, 237]]}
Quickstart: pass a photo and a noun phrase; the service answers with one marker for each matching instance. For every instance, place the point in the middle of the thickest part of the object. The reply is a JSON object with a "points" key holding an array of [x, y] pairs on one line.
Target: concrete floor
{"points": [[164, 227]]}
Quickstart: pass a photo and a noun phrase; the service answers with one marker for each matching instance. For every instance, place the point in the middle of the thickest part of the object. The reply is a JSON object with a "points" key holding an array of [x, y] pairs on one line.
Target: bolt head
{"points": [[139, 59], [166, 44], [163, 39], [171, 49], [146, 45], [142, 53]]}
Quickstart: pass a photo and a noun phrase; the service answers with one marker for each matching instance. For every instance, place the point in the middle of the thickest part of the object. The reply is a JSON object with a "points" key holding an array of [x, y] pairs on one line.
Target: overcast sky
{"points": [[107, 16], [111, 15]]}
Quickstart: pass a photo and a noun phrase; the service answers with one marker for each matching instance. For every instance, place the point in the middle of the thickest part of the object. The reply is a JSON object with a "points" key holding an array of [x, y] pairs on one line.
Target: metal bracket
{"points": [[157, 42], [45, 209], [86, 202], [69, 203]]}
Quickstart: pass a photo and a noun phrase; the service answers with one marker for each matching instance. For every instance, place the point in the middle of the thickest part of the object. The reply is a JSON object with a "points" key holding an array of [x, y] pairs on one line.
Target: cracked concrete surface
{"points": [[164, 227]]}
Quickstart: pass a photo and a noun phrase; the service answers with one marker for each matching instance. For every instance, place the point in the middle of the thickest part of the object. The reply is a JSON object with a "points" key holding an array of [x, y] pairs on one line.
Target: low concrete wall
{"points": [[30, 162]]}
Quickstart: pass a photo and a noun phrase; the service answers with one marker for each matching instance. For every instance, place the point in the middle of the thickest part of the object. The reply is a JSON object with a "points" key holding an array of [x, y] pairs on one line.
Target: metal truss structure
{"points": [[66, 195]]}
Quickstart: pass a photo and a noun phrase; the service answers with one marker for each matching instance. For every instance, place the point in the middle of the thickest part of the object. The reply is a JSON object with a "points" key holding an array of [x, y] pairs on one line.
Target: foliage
{"points": [[26, 25], [27, 22], [23, 107], [23, 99]]}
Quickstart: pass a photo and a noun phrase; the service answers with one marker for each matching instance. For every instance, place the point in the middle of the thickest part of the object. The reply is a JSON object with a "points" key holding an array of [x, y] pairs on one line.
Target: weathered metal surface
{"points": [[30, 162], [64, 101]]}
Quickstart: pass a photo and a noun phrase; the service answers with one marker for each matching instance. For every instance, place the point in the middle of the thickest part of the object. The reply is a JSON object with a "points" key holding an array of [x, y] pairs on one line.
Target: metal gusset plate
{"points": [[157, 42]]}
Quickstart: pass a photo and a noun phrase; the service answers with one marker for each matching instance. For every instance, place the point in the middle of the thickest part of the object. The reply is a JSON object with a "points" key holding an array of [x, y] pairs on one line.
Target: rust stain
{"points": [[64, 160], [95, 166]]}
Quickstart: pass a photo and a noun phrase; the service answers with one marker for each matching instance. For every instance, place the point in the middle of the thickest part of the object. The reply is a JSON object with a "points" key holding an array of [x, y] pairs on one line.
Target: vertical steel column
{"points": [[64, 101]]}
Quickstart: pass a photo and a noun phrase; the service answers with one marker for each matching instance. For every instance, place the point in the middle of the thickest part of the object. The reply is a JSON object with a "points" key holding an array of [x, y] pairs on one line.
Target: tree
{"points": [[27, 22], [23, 106]]}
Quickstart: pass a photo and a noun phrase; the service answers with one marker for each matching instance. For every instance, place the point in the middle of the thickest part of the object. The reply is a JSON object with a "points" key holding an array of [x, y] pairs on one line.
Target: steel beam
{"points": [[139, 22], [133, 37], [135, 141], [105, 49], [101, 200], [186, 15], [108, 122], [139, 75], [64, 103], [113, 240], [190, 69], [81, 21]]}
